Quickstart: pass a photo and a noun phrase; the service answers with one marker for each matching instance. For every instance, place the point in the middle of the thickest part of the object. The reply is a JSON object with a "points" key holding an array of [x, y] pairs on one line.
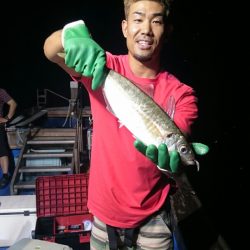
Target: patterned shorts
{"points": [[154, 234]]}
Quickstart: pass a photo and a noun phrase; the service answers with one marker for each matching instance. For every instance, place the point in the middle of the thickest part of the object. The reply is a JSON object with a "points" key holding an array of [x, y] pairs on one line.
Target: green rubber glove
{"points": [[165, 161], [83, 54]]}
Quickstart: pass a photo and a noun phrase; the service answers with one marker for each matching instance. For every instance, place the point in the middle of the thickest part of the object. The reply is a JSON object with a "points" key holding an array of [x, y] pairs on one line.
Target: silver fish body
{"points": [[145, 119]]}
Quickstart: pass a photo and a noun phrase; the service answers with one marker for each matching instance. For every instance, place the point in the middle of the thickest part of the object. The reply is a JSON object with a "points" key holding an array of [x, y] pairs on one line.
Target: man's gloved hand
{"points": [[83, 54], [165, 161]]}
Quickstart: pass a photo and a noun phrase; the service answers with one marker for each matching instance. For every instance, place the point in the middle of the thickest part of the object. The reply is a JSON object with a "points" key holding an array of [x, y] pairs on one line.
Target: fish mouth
{"points": [[197, 165], [194, 163]]}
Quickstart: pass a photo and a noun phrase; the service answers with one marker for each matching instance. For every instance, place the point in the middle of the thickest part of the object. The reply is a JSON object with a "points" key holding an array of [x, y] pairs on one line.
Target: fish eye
{"points": [[183, 149]]}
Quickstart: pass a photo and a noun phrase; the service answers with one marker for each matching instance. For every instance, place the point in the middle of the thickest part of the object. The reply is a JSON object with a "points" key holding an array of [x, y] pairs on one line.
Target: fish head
{"points": [[179, 143], [186, 154]]}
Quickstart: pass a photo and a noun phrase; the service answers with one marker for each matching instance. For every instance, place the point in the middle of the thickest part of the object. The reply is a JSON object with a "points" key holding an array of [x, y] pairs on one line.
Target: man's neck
{"points": [[145, 70]]}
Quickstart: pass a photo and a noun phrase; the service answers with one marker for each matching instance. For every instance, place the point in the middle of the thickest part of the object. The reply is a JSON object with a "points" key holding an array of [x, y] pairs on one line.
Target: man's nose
{"points": [[146, 28]]}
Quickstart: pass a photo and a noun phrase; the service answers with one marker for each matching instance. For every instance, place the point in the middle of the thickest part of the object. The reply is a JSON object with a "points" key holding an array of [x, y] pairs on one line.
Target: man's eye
{"points": [[157, 21], [137, 20]]}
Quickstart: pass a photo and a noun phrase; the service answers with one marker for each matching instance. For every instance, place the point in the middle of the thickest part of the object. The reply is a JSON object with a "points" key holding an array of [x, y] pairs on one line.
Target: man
{"points": [[128, 194], [5, 98]]}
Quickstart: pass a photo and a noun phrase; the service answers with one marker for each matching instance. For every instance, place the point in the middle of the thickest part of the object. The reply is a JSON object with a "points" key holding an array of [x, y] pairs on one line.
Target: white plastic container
{"points": [[17, 218]]}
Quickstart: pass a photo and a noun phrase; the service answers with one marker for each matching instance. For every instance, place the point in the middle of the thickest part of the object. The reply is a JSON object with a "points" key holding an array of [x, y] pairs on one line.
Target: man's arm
{"points": [[52, 49], [73, 49], [12, 109]]}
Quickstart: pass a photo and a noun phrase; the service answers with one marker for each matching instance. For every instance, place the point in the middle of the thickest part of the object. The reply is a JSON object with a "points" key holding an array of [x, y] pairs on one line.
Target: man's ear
{"points": [[124, 28]]}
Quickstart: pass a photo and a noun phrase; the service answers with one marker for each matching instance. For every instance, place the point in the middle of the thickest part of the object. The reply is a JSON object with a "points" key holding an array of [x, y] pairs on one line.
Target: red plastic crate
{"points": [[61, 201]]}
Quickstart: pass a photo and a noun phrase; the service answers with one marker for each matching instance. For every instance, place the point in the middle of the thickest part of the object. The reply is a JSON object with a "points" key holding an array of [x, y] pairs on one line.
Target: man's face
{"points": [[144, 30]]}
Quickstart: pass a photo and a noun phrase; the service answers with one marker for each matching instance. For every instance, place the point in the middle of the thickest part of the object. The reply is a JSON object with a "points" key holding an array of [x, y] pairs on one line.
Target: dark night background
{"points": [[205, 50]]}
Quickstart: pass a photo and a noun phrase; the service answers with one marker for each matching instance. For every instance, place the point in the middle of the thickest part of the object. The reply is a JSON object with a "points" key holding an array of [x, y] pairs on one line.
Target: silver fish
{"points": [[145, 119]]}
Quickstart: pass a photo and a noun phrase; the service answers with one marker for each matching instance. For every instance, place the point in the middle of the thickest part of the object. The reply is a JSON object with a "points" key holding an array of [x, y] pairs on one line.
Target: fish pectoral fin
{"points": [[200, 148]]}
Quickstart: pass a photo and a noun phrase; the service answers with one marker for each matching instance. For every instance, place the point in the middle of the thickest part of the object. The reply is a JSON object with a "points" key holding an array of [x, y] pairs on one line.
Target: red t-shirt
{"points": [[124, 186]]}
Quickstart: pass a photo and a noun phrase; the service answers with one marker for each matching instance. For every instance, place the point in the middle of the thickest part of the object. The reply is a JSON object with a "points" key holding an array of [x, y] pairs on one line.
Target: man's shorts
{"points": [[4, 147], [154, 234]]}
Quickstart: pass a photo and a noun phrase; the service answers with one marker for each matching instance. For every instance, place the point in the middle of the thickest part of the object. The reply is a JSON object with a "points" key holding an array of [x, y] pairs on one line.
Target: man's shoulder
{"points": [[3, 92], [117, 62], [174, 80], [4, 96], [114, 57]]}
